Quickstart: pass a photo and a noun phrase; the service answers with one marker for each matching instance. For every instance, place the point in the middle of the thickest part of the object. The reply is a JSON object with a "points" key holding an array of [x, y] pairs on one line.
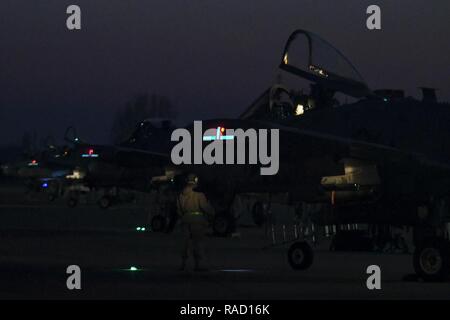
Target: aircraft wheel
{"points": [[72, 202], [300, 255], [432, 259], [222, 225], [104, 202], [158, 223]]}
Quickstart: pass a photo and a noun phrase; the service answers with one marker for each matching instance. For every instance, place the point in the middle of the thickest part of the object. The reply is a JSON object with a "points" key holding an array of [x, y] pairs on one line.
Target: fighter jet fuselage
{"points": [[382, 150], [407, 124]]}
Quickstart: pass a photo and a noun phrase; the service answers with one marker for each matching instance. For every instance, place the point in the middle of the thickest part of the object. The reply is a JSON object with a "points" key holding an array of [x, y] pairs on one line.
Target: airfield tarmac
{"points": [[38, 240]]}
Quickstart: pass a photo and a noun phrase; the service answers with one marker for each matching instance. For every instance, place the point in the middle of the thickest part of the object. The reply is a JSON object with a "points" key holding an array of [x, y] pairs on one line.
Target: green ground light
{"points": [[131, 269]]}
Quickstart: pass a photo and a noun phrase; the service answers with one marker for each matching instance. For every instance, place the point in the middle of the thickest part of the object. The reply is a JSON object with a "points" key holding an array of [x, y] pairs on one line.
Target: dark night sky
{"points": [[211, 57]]}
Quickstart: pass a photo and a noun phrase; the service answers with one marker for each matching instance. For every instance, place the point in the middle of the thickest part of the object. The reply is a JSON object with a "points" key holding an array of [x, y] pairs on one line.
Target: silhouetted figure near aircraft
{"points": [[194, 211]]}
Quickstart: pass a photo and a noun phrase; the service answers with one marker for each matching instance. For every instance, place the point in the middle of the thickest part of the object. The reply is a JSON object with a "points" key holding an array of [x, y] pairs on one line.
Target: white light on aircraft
{"points": [[285, 59], [299, 110], [76, 174]]}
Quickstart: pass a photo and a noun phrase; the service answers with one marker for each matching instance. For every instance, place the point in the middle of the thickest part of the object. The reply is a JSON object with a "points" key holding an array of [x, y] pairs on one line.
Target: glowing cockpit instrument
{"points": [[219, 135], [90, 154]]}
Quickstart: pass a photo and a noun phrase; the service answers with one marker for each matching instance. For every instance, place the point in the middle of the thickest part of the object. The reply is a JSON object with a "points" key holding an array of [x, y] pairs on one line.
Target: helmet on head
{"points": [[192, 179]]}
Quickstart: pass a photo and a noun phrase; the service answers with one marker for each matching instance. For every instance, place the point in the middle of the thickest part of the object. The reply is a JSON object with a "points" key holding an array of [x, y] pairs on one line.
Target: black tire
{"points": [[104, 202], [300, 256], [259, 217], [72, 202], [432, 259], [222, 225], [158, 223]]}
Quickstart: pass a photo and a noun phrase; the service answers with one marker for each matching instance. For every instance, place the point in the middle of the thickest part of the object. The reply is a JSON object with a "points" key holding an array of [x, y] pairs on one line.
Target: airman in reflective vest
{"points": [[194, 212]]}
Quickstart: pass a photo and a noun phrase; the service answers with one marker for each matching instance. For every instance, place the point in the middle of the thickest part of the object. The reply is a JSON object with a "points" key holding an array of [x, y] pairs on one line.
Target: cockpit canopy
{"points": [[310, 57]]}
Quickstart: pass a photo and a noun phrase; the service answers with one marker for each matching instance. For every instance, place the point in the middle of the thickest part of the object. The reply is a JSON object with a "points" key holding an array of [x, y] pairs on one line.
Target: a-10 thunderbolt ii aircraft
{"points": [[386, 153], [122, 166], [34, 170], [113, 172], [80, 167]]}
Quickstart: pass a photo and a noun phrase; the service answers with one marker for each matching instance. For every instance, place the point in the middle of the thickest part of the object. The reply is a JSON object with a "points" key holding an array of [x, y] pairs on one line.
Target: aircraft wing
{"points": [[361, 150], [401, 169]]}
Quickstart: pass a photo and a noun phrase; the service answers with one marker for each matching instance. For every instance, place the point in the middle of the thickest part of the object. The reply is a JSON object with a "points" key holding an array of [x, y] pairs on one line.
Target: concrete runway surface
{"points": [[39, 241]]}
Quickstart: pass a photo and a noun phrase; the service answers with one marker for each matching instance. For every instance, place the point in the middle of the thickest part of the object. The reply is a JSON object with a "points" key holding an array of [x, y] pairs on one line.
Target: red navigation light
{"points": [[91, 152], [33, 161]]}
